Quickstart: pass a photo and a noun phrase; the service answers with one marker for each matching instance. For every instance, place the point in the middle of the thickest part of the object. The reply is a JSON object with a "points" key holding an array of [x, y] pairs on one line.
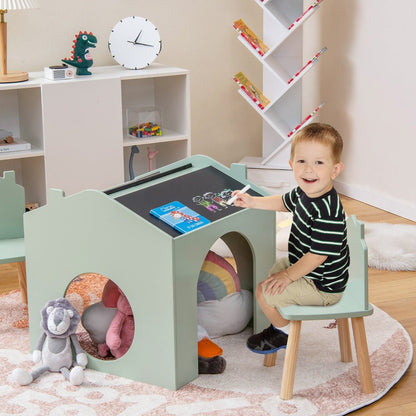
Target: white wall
{"points": [[367, 78], [196, 34]]}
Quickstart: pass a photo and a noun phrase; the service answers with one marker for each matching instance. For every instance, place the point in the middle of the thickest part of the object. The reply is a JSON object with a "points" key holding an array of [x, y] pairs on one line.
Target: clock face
{"points": [[134, 42]]}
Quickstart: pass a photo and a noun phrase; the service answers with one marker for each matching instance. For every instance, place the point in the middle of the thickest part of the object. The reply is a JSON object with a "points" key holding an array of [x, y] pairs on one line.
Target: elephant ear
{"points": [[111, 293]]}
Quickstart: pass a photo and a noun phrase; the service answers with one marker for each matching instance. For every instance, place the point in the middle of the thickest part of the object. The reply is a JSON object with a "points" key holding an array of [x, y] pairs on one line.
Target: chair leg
{"points": [[21, 273], [289, 366], [344, 340], [363, 358], [270, 359]]}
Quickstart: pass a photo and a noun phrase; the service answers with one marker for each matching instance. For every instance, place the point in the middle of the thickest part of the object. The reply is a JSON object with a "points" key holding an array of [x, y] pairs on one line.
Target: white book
{"points": [[17, 146]]}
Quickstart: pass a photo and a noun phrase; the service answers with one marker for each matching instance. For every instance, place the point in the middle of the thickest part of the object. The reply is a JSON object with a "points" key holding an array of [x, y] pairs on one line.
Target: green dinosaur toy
{"points": [[81, 57]]}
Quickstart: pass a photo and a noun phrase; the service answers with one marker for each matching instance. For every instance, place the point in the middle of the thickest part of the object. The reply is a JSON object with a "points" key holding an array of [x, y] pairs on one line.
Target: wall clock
{"points": [[134, 42]]}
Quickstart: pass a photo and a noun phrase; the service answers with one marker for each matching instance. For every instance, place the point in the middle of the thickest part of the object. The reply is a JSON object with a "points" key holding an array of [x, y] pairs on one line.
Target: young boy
{"points": [[316, 271]]}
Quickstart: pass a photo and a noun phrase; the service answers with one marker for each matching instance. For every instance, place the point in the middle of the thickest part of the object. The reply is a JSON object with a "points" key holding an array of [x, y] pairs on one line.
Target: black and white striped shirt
{"points": [[319, 227]]}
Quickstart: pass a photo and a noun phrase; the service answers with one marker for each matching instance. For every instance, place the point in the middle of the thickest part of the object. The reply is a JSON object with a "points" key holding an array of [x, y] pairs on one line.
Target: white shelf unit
{"points": [[283, 71], [78, 128]]}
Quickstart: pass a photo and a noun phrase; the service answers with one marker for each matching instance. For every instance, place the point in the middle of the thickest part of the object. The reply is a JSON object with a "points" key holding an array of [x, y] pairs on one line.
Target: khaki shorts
{"points": [[301, 292]]}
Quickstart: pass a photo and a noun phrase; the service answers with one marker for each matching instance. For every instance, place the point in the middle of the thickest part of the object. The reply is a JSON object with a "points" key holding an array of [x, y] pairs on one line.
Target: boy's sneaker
{"points": [[267, 341]]}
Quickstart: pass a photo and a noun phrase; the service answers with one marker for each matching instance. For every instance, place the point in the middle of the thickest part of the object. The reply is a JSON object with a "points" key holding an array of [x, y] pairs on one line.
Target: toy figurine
{"points": [[134, 150], [6, 136], [81, 57], [58, 348], [110, 322], [150, 155]]}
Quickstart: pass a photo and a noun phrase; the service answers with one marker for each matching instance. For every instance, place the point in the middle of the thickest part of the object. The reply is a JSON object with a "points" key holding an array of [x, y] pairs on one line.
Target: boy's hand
{"points": [[276, 283], [243, 200], [271, 202]]}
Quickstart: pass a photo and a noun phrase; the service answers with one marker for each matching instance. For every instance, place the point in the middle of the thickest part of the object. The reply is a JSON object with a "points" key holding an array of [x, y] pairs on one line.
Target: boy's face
{"points": [[314, 168]]}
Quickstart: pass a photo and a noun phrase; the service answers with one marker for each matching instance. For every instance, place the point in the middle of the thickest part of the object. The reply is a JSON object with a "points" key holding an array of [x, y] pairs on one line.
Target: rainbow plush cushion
{"points": [[217, 279]]}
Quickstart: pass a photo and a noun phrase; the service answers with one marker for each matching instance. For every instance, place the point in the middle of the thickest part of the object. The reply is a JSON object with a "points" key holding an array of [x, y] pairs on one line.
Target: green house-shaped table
{"points": [[113, 233]]}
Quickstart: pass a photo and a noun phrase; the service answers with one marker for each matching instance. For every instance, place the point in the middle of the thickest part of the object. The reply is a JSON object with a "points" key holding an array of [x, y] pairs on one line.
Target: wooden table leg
{"points": [[21, 273]]}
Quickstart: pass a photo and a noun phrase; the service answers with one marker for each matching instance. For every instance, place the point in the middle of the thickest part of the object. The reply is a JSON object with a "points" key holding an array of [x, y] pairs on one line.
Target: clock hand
{"points": [[137, 38], [138, 43], [143, 44]]}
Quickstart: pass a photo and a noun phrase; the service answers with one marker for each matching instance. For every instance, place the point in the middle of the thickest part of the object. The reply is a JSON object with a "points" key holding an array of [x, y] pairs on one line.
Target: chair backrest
{"points": [[358, 271], [12, 207]]}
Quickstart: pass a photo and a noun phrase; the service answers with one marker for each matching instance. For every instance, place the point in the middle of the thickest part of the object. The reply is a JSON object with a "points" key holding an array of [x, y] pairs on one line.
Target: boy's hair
{"points": [[321, 133]]}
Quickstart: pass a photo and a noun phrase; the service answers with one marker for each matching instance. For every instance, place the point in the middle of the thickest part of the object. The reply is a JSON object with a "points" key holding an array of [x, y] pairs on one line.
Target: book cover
{"points": [[250, 37], [308, 64], [306, 120], [305, 14], [17, 145], [251, 90], [179, 216]]}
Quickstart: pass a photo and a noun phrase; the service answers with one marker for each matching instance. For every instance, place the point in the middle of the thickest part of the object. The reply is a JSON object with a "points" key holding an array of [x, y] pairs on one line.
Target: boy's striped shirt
{"points": [[319, 227]]}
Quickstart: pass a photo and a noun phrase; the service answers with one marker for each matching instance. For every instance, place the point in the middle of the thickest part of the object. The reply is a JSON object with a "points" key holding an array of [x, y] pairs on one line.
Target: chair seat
{"points": [[12, 250], [309, 313], [350, 306]]}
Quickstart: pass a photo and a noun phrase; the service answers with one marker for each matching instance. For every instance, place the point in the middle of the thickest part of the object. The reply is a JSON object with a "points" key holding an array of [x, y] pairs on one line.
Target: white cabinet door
{"points": [[83, 134]]}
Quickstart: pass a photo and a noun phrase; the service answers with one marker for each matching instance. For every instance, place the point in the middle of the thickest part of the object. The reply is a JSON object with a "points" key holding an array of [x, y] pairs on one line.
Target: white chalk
{"points": [[243, 191]]}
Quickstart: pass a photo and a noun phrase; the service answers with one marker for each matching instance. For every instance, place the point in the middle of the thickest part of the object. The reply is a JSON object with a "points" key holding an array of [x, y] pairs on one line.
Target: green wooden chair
{"points": [[353, 304], [12, 244]]}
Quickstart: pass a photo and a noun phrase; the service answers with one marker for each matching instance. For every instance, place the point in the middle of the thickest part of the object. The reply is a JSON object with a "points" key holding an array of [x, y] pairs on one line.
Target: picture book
{"points": [[250, 37], [251, 90], [308, 64], [306, 120], [305, 14], [179, 216], [16, 145]]}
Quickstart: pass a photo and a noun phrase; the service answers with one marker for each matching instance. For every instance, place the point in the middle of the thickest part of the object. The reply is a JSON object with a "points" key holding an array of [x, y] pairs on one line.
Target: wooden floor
{"points": [[394, 292]]}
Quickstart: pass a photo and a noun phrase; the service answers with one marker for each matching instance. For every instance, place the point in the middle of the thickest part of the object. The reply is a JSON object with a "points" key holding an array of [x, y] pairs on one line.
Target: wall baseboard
{"points": [[377, 199]]}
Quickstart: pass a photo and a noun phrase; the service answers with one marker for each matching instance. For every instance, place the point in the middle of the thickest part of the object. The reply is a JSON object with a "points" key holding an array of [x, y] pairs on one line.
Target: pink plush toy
{"points": [[110, 324], [121, 331], [113, 316]]}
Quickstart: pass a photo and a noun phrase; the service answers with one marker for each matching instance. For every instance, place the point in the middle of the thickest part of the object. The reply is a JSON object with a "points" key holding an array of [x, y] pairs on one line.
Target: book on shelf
{"points": [[250, 37], [305, 14], [179, 216], [308, 64], [254, 93], [17, 145], [306, 120]]}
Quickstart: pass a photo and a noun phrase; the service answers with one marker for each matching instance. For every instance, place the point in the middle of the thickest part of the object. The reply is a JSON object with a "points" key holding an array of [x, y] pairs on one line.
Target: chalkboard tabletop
{"points": [[205, 191]]}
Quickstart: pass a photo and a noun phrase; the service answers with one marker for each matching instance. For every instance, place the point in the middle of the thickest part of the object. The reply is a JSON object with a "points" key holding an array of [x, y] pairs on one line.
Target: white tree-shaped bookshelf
{"points": [[283, 71]]}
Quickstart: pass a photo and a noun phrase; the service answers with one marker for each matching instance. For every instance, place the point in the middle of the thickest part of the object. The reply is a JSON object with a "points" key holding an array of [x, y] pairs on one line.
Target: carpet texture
{"points": [[323, 385], [391, 246]]}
